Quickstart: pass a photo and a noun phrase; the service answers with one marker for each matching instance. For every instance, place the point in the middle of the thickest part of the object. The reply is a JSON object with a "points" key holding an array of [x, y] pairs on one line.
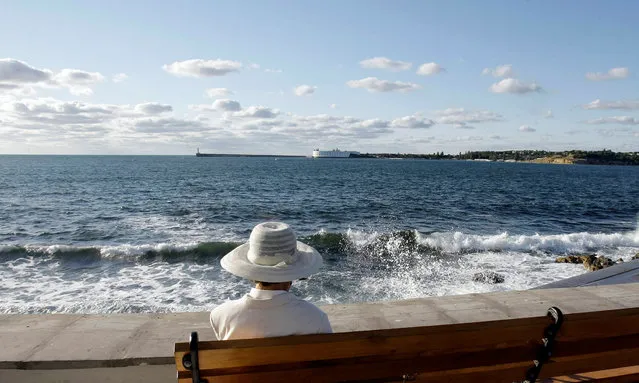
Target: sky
{"points": [[286, 77]]}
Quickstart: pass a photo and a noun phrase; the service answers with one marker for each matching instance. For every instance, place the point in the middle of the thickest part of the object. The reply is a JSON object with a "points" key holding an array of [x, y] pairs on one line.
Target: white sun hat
{"points": [[272, 254]]}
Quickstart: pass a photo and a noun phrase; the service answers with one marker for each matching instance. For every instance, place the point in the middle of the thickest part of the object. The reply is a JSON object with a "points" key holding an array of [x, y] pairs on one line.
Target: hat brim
{"points": [[308, 262]]}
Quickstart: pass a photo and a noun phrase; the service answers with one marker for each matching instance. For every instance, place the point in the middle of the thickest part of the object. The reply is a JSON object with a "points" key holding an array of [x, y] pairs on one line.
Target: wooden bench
{"points": [[598, 346]]}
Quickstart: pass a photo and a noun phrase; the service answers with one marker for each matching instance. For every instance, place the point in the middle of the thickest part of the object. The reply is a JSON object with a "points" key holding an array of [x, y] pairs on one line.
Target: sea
{"points": [[130, 234]]}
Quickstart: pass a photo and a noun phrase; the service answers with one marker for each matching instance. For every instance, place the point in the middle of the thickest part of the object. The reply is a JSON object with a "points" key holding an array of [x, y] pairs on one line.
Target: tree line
{"points": [[604, 156]]}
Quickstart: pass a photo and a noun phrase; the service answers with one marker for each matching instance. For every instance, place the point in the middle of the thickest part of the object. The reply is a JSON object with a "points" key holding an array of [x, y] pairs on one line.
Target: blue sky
{"points": [[499, 75]]}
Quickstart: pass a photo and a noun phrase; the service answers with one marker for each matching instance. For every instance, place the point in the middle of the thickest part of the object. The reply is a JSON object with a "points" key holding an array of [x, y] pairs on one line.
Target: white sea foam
{"points": [[156, 287], [556, 243], [106, 251], [623, 244], [120, 283], [135, 250]]}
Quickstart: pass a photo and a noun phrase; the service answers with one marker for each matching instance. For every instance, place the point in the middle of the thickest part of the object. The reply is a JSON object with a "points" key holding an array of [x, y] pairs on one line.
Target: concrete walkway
{"points": [[49, 342], [627, 272]]}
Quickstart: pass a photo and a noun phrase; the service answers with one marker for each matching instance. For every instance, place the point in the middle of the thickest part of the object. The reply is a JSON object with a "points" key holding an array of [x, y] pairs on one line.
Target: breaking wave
{"points": [[359, 266], [557, 243], [333, 245]]}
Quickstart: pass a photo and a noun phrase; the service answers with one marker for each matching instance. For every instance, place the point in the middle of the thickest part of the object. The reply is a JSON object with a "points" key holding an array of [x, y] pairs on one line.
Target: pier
{"points": [[198, 154]]}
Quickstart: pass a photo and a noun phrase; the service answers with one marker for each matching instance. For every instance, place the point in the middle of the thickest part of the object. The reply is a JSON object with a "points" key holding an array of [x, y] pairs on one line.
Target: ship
{"points": [[335, 153]]}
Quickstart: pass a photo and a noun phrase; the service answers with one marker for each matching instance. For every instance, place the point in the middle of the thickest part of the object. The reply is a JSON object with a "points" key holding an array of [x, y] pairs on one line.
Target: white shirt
{"points": [[267, 313]]}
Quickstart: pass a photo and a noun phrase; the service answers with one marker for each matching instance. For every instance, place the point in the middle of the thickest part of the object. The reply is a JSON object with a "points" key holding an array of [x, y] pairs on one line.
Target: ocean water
{"points": [[102, 234]]}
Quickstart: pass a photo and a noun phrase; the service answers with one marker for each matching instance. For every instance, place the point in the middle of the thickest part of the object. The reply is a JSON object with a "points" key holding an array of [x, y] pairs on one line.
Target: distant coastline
{"points": [[571, 157]]}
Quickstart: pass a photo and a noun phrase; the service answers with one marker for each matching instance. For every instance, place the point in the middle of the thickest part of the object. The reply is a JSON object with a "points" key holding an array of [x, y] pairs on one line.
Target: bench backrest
{"points": [[492, 351]]}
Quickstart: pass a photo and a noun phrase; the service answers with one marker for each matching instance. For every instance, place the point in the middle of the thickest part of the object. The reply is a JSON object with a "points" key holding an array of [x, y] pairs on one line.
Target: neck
{"points": [[274, 286]]}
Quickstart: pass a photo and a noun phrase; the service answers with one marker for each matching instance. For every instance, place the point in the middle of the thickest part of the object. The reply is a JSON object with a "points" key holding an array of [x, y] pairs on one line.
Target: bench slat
{"points": [[621, 318], [483, 351], [446, 370], [617, 375], [440, 360], [553, 368], [366, 373], [390, 366], [517, 324]]}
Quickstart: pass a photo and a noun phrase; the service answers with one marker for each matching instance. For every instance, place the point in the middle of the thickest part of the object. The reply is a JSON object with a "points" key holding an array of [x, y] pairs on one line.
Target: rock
{"points": [[598, 263], [569, 259], [576, 259], [488, 277], [636, 256], [590, 261], [620, 260]]}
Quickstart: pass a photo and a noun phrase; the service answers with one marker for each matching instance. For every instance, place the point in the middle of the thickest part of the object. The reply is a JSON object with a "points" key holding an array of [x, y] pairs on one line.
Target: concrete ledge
{"points": [[627, 272], [75, 342], [60, 341], [155, 374]]}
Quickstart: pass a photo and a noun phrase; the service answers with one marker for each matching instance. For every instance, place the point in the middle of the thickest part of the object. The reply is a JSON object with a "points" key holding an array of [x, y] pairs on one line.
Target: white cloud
{"points": [[272, 70], [549, 114], [612, 74], [78, 82], [463, 125], [15, 74], [527, 129], [505, 71], [461, 118], [74, 77], [373, 84], [325, 119], [385, 63], [54, 115], [97, 124], [333, 106], [53, 106], [253, 66], [338, 129], [19, 72], [218, 92], [430, 69], [120, 77], [511, 85], [153, 108], [412, 122], [624, 120], [623, 104], [257, 112], [9, 86], [304, 90], [168, 125], [202, 68], [233, 110], [376, 123], [227, 105]]}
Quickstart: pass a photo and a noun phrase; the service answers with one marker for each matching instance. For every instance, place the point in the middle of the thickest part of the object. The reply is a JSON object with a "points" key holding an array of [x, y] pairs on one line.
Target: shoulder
{"points": [[227, 308], [309, 308], [308, 305]]}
